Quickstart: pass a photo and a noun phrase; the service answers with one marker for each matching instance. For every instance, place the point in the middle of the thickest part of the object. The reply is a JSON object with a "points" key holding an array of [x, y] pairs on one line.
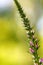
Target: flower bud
{"points": [[32, 31], [31, 50], [41, 60], [31, 43], [37, 46], [33, 37]]}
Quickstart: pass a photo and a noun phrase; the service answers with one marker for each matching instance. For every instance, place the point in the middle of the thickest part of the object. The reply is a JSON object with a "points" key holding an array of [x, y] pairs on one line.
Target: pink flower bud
{"points": [[31, 50], [31, 43], [41, 60], [36, 45]]}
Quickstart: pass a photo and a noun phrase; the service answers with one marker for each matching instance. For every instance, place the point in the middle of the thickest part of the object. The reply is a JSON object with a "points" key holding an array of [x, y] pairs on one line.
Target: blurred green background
{"points": [[14, 44]]}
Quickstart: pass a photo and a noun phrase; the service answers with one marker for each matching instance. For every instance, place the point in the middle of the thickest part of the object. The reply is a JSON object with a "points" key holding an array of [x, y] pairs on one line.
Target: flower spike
{"points": [[34, 46]]}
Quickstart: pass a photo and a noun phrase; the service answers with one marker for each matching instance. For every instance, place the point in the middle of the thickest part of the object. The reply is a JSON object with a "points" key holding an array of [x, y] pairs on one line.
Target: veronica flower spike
{"points": [[34, 46]]}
